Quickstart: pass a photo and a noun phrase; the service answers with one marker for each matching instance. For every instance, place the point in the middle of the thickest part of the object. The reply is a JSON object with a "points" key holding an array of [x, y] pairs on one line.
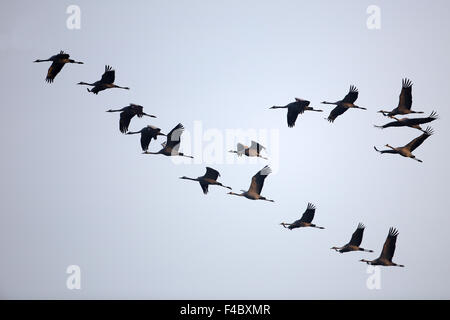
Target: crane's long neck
{"points": [[86, 84], [278, 107], [326, 102], [312, 109], [39, 60], [117, 110], [133, 132], [187, 178], [236, 194]]}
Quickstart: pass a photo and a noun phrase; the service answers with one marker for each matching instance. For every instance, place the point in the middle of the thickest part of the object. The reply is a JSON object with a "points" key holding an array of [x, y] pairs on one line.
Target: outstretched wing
{"points": [[211, 173], [241, 149], [302, 102], [174, 136], [336, 112], [137, 109], [308, 215], [292, 115], [62, 55], [204, 187], [389, 245], [256, 146], [294, 109], [109, 75], [352, 95], [357, 236], [258, 180], [146, 137], [125, 118], [54, 69], [415, 121], [405, 99], [414, 144]]}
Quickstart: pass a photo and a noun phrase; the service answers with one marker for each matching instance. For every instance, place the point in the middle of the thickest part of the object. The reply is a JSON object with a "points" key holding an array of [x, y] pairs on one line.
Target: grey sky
{"points": [[76, 191]]}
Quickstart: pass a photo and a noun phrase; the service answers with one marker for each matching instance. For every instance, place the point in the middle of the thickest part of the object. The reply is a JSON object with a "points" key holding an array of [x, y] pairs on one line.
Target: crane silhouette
{"points": [[106, 82], [305, 220], [58, 62], [209, 178], [355, 241], [410, 122], [254, 191], [127, 113], [171, 147], [147, 134], [253, 151], [344, 104], [385, 258], [405, 101], [294, 109], [406, 151]]}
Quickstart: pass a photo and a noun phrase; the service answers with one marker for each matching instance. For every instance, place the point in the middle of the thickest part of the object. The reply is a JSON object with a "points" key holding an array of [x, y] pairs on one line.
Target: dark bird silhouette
{"points": [[172, 145], [406, 151], [344, 104], [209, 178], [385, 259], [106, 82], [147, 134], [254, 191], [127, 113], [253, 151], [355, 241], [305, 220], [294, 109], [410, 122], [405, 101], [58, 62]]}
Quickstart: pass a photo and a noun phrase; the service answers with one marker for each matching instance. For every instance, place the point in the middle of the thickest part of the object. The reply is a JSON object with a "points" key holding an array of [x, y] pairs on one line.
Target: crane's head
{"points": [[335, 248]]}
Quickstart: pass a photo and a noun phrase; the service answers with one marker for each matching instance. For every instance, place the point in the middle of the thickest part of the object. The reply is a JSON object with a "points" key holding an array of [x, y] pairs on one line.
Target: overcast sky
{"points": [[75, 191]]}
